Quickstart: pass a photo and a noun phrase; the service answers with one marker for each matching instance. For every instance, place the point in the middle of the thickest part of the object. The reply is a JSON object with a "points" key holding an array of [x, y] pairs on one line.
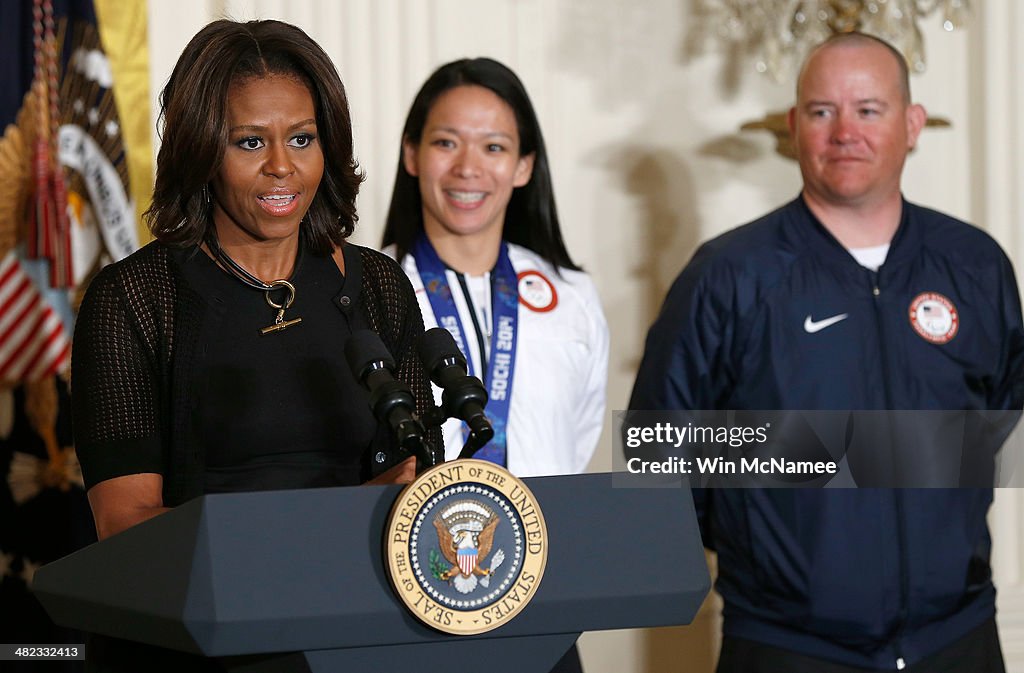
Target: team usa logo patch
{"points": [[536, 292], [466, 547], [934, 317]]}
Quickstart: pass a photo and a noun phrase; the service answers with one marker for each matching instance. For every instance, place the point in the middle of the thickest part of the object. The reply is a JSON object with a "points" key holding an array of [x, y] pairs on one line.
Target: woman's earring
{"points": [[206, 195]]}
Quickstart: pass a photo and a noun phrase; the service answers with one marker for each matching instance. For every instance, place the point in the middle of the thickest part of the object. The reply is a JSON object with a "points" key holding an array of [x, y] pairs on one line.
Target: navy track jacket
{"points": [[863, 577]]}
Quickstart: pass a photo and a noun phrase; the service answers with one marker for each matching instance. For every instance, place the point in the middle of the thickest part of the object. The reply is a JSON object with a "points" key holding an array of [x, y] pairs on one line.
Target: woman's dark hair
{"points": [[531, 219], [193, 107]]}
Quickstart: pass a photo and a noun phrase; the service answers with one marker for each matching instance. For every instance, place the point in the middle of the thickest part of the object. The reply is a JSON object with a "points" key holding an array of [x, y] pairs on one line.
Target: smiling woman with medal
{"points": [[212, 360], [473, 223]]}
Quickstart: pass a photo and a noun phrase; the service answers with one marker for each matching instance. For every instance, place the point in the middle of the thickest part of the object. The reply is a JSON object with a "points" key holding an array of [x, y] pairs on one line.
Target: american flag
{"points": [[33, 343]]}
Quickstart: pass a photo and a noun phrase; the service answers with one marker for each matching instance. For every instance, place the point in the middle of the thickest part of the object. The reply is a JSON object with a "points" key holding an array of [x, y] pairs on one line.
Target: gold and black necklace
{"points": [[236, 270]]}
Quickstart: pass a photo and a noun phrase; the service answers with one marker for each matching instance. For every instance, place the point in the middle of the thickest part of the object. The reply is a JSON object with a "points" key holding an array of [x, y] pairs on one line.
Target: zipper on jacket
{"points": [[904, 579], [901, 664], [876, 293]]}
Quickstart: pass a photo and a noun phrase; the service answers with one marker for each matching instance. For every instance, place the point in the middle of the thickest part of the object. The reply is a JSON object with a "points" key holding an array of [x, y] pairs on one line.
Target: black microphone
{"points": [[391, 400], [464, 396]]}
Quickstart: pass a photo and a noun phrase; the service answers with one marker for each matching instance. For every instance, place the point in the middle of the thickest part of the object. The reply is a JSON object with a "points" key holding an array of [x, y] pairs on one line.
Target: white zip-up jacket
{"points": [[561, 368]]}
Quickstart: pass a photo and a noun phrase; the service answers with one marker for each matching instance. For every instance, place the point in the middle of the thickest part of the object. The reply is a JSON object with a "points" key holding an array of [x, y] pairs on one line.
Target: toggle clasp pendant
{"points": [[280, 323]]}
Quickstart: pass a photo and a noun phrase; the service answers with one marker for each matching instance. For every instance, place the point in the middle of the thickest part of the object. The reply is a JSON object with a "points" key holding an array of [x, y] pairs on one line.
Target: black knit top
{"points": [[141, 339]]}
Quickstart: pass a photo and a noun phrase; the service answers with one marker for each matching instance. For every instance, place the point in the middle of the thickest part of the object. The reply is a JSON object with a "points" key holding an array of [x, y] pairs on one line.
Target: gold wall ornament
{"points": [[782, 31]]}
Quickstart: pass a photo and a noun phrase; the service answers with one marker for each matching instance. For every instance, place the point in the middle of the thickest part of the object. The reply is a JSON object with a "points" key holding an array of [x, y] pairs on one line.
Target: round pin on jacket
{"points": [[536, 292], [934, 317]]}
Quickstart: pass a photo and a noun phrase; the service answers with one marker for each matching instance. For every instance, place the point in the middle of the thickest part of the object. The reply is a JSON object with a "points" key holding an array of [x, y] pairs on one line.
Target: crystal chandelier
{"points": [[784, 30]]}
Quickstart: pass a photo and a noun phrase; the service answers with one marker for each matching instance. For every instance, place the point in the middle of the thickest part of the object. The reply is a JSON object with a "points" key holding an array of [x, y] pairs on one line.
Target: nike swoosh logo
{"points": [[812, 326]]}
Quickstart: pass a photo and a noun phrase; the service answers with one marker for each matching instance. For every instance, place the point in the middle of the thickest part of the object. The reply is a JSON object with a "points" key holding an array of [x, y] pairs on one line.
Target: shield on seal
{"points": [[467, 561]]}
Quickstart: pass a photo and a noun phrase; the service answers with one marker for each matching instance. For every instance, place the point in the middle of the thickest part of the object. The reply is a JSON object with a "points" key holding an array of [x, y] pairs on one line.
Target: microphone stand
{"points": [[475, 440], [462, 397], [391, 400]]}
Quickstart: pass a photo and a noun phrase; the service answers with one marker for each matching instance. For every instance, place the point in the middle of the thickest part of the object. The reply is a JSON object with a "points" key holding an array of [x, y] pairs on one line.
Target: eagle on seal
{"points": [[464, 553]]}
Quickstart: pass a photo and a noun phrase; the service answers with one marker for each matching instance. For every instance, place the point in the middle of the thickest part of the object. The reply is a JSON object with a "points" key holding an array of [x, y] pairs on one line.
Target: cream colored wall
{"points": [[641, 120]]}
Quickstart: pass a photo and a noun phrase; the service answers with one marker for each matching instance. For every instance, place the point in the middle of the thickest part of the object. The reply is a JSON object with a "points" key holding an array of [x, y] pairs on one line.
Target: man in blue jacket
{"points": [[849, 297]]}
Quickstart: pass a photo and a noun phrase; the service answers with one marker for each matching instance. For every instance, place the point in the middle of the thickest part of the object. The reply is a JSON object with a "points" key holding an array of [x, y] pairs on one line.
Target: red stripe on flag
{"points": [[43, 345], [14, 358], [58, 364], [33, 343], [31, 305], [12, 269]]}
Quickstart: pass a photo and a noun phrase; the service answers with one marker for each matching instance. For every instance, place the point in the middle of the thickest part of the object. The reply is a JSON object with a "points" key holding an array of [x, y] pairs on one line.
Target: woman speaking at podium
{"points": [[212, 360], [473, 222]]}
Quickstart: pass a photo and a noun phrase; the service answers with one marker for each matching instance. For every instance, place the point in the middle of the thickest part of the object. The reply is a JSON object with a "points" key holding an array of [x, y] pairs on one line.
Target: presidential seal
{"points": [[466, 546]]}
